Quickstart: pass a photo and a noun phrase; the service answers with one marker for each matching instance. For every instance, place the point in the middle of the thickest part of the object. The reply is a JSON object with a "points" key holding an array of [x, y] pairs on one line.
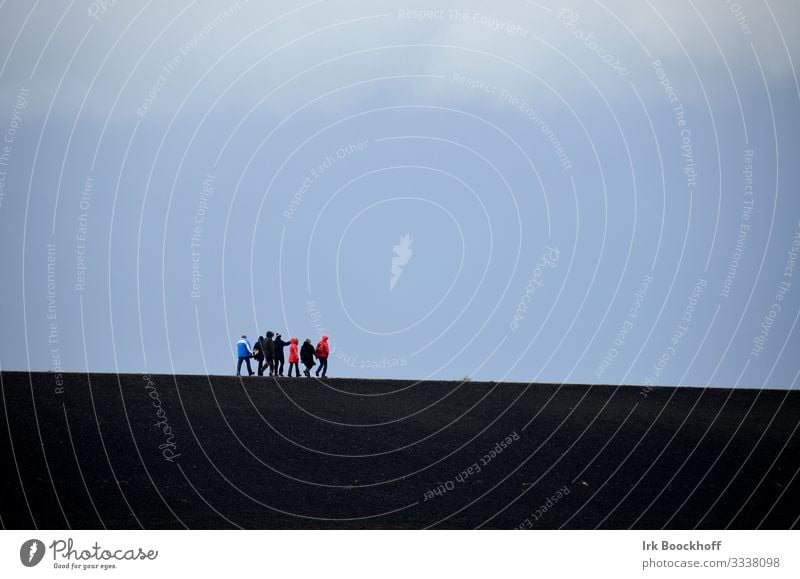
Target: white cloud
{"points": [[527, 33]]}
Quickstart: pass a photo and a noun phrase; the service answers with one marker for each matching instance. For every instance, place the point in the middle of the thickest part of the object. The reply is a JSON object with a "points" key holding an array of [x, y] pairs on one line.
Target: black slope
{"points": [[125, 451]]}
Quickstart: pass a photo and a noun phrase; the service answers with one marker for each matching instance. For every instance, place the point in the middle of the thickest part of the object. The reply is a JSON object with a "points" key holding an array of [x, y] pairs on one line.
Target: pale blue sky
{"points": [[529, 149]]}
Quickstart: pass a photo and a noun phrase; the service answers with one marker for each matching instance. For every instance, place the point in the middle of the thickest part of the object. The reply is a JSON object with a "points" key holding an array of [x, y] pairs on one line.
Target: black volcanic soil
{"points": [[298, 453]]}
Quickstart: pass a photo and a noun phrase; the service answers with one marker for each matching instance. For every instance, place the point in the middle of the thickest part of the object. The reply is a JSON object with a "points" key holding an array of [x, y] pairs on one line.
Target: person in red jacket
{"points": [[322, 355], [294, 358]]}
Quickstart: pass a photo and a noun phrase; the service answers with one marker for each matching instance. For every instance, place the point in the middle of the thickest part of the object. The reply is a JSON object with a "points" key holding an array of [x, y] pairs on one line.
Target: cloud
{"points": [[297, 49]]}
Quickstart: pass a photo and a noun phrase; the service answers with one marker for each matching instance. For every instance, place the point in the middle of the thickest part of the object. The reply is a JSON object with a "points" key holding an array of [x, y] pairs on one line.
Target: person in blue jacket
{"points": [[245, 352]]}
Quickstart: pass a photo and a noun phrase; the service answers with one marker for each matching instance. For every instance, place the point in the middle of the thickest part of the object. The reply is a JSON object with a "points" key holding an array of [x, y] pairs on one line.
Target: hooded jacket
{"points": [[258, 352], [293, 355], [307, 354], [322, 348], [243, 348]]}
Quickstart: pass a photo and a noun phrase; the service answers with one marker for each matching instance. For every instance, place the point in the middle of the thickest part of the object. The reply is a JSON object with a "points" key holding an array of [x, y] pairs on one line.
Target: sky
{"points": [[583, 192]]}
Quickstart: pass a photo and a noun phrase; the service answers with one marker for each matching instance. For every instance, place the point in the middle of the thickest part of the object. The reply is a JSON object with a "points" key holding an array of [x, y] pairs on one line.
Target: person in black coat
{"points": [[258, 354], [307, 357], [279, 359], [268, 349]]}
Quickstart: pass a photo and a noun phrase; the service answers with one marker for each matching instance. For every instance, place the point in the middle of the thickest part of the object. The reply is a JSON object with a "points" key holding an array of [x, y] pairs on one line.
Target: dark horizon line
{"points": [[390, 379]]}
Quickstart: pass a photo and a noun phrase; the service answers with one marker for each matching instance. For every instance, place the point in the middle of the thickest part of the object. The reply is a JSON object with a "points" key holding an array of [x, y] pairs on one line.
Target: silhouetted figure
{"points": [[269, 353], [244, 352], [322, 355], [279, 359], [307, 357], [294, 358], [258, 354]]}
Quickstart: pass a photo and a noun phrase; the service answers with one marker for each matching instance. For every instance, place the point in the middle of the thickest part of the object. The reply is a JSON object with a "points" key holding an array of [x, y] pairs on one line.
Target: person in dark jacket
{"points": [[243, 352], [279, 359], [322, 355], [269, 353], [258, 354], [307, 357]]}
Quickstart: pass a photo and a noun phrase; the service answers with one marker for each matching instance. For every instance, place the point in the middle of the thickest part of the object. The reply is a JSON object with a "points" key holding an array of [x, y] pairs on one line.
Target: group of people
{"points": [[268, 352]]}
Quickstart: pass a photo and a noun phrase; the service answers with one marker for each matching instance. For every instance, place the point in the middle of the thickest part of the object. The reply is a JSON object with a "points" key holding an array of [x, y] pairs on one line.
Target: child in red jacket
{"points": [[294, 358]]}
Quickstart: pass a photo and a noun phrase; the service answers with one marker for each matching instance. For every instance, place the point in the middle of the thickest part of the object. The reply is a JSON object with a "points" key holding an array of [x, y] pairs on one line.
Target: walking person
{"points": [[244, 352], [322, 355], [307, 357], [258, 355], [279, 359], [269, 353], [294, 358]]}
